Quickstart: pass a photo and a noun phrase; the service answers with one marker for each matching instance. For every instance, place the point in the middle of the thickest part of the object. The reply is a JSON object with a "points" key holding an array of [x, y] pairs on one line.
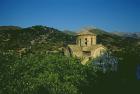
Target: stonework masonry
{"points": [[85, 47]]}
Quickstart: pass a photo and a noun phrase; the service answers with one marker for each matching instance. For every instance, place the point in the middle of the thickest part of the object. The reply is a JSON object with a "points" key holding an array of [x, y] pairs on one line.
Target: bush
{"points": [[47, 73]]}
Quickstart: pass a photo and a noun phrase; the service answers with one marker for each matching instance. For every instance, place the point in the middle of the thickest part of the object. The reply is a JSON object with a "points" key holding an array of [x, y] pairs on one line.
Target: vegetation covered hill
{"points": [[128, 34], [31, 62], [35, 39], [10, 28]]}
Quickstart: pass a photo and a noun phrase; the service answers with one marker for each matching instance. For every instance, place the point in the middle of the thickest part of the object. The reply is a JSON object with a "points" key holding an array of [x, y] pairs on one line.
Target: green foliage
{"points": [[47, 73], [40, 35]]}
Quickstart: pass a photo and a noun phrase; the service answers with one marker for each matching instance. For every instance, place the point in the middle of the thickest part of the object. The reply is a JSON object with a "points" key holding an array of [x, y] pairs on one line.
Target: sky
{"points": [[109, 15]]}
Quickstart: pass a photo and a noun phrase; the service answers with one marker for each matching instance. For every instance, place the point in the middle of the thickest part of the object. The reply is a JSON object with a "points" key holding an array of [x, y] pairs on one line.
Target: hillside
{"points": [[10, 28], [127, 34], [31, 62], [35, 38]]}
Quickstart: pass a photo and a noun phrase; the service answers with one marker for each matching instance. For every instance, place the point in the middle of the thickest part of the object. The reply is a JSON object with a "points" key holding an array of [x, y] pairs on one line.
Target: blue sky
{"points": [[110, 15]]}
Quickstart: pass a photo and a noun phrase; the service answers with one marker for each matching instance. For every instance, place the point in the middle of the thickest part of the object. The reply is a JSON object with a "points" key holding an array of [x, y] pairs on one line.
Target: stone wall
{"points": [[86, 40], [85, 47]]}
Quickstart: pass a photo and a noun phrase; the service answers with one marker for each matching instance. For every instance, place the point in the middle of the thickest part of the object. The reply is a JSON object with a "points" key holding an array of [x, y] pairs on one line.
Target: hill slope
{"points": [[38, 72], [127, 34], [35, 38]]}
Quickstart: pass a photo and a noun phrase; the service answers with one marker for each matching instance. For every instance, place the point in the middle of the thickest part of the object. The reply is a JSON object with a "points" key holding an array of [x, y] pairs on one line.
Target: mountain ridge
{"points": [[127, 34]]}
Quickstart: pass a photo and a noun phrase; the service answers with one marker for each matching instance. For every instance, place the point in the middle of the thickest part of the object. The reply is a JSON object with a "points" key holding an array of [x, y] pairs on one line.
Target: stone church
{"points": [[85, 47]]}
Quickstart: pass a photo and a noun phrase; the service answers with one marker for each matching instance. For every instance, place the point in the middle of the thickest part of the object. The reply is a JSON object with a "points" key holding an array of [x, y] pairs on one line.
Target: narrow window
{"points": [[80, 42], [91, 41], [86, 41]]}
